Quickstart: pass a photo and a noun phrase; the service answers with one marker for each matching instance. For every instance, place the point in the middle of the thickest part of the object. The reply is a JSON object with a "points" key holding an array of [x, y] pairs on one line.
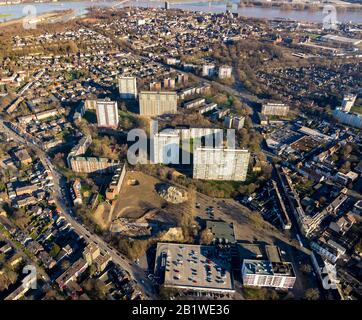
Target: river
{"points": [[19, 10]]}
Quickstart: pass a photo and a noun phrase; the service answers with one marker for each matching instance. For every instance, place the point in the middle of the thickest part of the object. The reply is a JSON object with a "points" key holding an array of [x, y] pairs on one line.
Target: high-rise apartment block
{"points": [[169, 83], [166, 146], [225, 72], [127, 87], [208, 70], [220, 164], [169, 143], [155, 86], [182, 78], [107, 113], [348, 102], [234, 122], [275, 109], [157, 103]]}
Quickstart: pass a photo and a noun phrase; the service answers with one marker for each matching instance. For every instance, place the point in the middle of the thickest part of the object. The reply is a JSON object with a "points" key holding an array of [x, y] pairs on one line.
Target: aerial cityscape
{"points": [[180, 150]]}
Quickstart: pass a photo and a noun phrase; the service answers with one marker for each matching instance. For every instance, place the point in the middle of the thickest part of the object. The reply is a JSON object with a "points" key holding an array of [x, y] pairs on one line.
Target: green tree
{"points": [[312, 294]]}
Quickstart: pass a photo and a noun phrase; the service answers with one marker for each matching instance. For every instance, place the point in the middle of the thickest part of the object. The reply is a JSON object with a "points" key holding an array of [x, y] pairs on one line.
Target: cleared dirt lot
{"points": [[141, 201], [248, 226], [135, 200]]}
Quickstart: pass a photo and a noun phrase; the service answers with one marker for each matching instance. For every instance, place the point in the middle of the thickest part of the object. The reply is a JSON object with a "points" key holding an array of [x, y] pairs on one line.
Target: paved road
{"points": [[135, 272]]}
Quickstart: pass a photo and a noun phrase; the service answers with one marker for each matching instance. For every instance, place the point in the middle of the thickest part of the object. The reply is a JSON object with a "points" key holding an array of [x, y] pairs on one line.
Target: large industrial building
{"points": [[127, 87], [220, 164], [193, 267], [153, 103], [107, 113], [275, 109]]}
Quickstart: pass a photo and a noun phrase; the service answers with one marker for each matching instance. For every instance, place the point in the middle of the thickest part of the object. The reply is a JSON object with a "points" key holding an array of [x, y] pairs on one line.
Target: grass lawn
{"points": [[313, 36], [357, 109]]}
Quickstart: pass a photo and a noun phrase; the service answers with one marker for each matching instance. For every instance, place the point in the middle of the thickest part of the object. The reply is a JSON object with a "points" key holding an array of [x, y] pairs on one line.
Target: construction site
{"points": [[158, 209]]}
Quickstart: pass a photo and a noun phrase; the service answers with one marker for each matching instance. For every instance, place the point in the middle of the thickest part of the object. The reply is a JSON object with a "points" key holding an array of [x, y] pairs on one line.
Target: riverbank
{"points": [[191, 1], [282, 5], [3, 4], [49, 17], [213, 6]]}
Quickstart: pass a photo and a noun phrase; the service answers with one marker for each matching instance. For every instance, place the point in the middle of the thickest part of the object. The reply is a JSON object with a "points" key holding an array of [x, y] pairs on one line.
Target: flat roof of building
{"points": [[273, 253], [341, 39], [221, 230], [158, 92], [222, 149], [275, 104], [96, 159], [194, 267], [261, 267], [250, 251], [266, 267], [168, 133], [312, 132], [255, 251], [105, 101]]}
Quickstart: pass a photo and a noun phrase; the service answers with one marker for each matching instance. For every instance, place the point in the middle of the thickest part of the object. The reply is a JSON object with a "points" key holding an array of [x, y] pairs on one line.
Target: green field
{"points": [[5, 15], [357, 109]]}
